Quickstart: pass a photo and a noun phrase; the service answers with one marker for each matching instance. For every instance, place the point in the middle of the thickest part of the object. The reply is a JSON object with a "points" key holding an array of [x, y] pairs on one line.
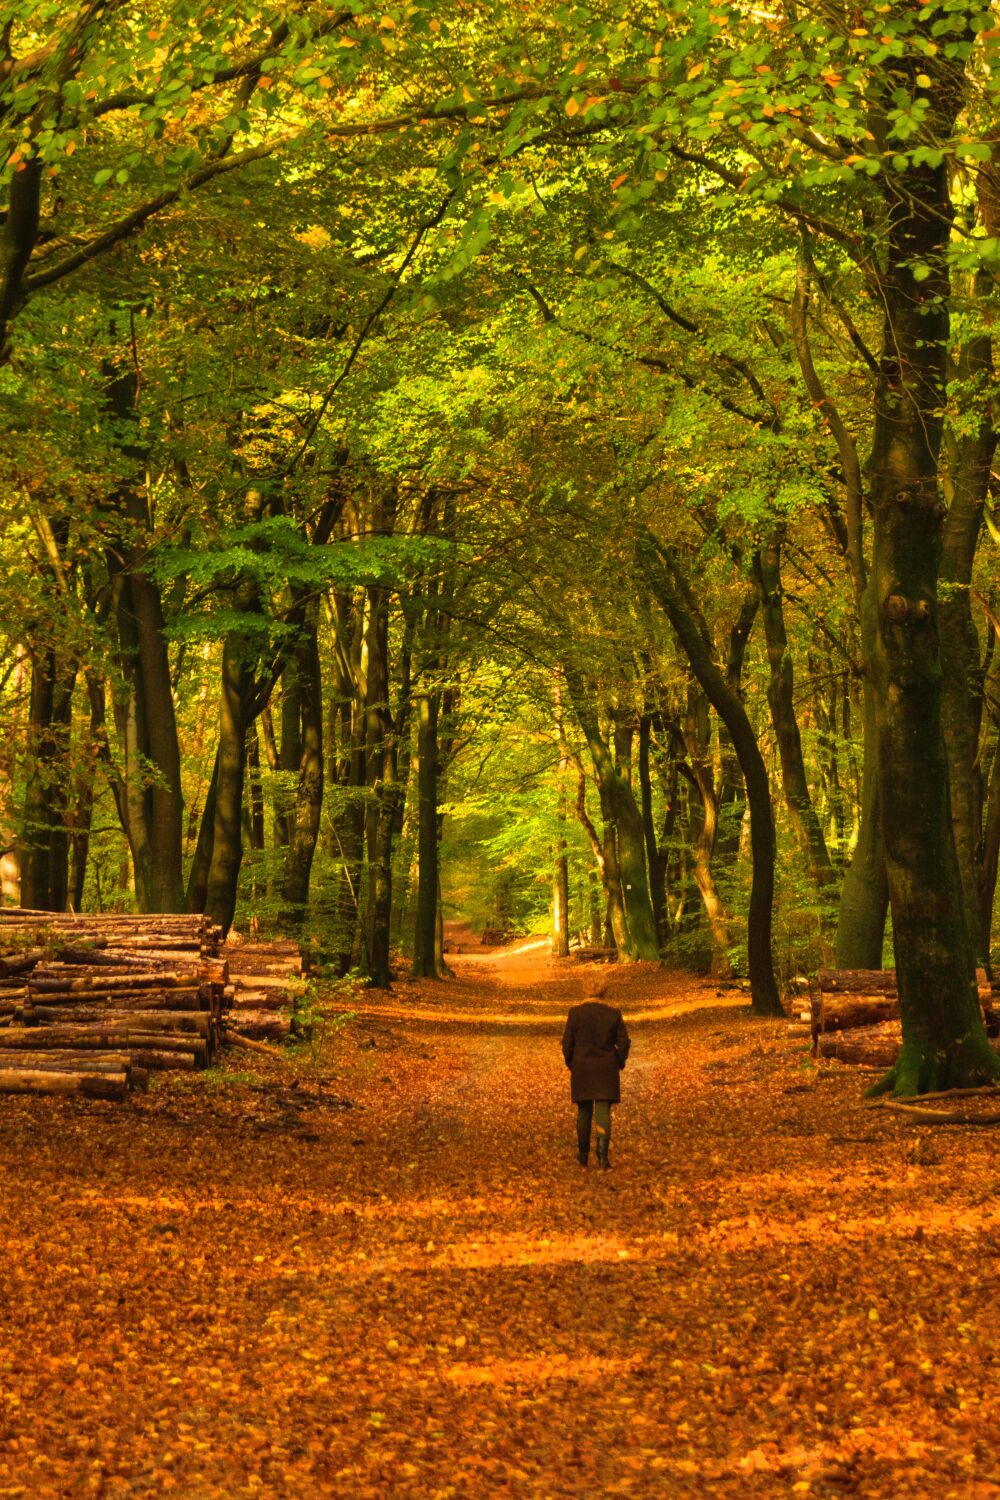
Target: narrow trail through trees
{"points": [[380, 1271]]}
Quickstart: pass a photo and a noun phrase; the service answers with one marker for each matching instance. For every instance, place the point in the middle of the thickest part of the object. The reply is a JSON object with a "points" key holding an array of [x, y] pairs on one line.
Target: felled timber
{"points": [[266, 981], [94, 1085], [115, 995], [868, 1046], [847, 999], [262, 1025]]}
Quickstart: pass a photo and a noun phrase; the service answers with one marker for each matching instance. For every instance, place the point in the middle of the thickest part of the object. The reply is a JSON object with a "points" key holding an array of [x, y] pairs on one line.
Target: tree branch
{"points": [[124, 228], [846, 447]]}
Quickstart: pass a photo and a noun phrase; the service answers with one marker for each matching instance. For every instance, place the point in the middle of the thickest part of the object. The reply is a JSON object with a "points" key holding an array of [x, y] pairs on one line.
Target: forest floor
{"points": [[378, 1271]]}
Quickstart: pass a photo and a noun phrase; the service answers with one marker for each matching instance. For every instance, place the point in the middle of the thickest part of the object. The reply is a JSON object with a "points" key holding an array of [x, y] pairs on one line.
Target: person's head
{"points": [[598, 989]]}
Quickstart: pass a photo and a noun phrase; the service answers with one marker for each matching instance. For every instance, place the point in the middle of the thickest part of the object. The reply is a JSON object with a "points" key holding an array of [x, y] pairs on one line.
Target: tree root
{"points": [[983, 1091], [921, 1071], [918, 1115]]}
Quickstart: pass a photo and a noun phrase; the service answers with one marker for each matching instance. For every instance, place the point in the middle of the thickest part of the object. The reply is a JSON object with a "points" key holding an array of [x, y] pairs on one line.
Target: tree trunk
{"points": [[227, 830], [966, 486], [45, 836], [622, 817], [305, 817], [197, 886], [595, 927], [991, 848], [615, 917], [148, 793], [670, 588], [346, 769], [732, 792], [257, 832], [290, 752], [560, 901], [944, 1041], [781, 700], [384, 791], [696, 738], [656, 861], [864, 894], [425, 958], [80, 823]]}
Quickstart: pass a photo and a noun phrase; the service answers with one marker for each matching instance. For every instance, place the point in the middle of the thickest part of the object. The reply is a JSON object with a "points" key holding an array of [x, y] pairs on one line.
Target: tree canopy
{"points": [[519, 460]]}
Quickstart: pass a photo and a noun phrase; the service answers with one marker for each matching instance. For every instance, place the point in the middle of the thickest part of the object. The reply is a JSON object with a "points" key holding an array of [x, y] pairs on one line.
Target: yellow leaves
{"points": [[579, 67], [446, 1318], [695, 72], [70, 147], [576, 106], [924, 80]]}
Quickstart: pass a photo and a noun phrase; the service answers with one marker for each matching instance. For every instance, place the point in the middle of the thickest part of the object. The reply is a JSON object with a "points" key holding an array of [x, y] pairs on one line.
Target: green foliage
{"points": [[490, 306]]}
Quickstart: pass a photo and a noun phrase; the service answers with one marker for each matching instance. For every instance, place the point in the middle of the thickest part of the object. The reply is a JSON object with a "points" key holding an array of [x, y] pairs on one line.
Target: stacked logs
{"points": [[267, 979], [854, 1015], [91, 1004]]}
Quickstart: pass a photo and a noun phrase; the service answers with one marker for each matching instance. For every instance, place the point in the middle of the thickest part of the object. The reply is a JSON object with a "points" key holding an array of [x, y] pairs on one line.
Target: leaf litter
{"points": [[379, 1271]]}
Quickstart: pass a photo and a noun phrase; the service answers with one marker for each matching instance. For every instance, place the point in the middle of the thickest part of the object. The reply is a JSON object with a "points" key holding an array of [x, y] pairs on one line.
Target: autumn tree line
{"points": [[549, 444]]}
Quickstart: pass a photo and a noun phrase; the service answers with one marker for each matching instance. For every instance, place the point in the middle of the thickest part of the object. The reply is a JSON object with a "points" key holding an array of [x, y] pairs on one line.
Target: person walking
{"points": [[595, 1045]]}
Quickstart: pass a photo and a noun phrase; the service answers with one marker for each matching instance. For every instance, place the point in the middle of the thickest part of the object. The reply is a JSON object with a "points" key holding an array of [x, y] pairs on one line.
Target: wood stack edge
{"points": [[852, 1015], [92, 1004]]}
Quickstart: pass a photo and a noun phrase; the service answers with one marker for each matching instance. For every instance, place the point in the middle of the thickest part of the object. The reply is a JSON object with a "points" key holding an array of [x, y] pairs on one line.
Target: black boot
{"points": [[583, 1153], [602, 1152]]}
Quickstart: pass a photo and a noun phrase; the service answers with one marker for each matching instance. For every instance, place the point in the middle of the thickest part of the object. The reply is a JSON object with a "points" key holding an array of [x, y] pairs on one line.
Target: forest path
{"points": [[239, 1285]]}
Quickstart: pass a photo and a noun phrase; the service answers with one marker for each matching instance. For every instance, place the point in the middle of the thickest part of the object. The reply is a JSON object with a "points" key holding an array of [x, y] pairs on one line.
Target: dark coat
{"points": [[595, 1045]]}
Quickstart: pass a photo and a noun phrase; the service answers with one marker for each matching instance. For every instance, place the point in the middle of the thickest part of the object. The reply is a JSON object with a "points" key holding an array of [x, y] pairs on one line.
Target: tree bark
{"points": [[304, 821], [44, 832], [384, 791], [944, 1041], [967, 479], [864, 894], [150, 806], [732, 792], [672, 591], [781, 700], [258, 837], [626, 861], [656, 862], [425, 957], [696, 738], [346, 768], [290, 752], [560, 901], [236, 687], [197, 886]]}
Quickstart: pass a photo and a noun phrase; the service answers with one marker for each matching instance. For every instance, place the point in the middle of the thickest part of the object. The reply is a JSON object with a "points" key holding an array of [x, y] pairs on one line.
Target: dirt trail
{"points": [[246, 1287]]}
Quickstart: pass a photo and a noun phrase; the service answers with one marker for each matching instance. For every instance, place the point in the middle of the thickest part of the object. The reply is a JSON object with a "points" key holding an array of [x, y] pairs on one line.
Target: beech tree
{"points": [[378, 389]]}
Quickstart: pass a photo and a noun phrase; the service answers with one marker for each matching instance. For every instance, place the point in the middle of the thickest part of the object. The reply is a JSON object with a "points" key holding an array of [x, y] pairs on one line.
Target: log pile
{"points": [[267, 979], [595, 955], [496, 937], [91, 1004], [853, 1015]]}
